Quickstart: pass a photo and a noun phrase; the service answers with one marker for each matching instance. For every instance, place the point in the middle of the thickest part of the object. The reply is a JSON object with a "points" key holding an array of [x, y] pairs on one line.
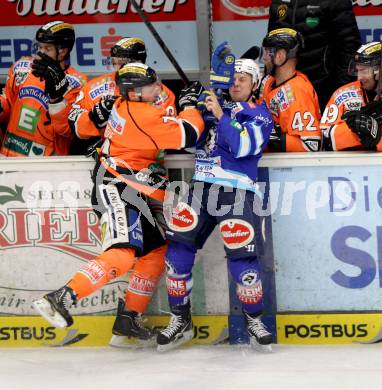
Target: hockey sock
{"points": [[144, 279], [245, 272], [96, 273], [180, 259]]}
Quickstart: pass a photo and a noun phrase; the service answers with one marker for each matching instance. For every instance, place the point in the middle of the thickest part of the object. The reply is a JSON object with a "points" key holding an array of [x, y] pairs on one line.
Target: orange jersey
{"points": [[337, 134], [31, 130], [294, 107], [137, 131], [91, 94]]}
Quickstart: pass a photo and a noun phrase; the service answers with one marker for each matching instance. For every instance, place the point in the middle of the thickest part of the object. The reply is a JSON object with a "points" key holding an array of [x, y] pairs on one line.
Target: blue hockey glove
{"points": [[223, 67]]}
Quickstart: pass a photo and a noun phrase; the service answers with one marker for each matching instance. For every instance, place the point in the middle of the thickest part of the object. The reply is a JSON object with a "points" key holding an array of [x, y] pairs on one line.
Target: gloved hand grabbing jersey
{"points": [[99, 115], [56, 83], [189, 95], [223, 67], [365, 126]]}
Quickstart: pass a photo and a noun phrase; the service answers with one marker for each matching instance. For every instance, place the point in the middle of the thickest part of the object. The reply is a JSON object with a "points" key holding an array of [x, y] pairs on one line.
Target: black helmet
{"points": [[284, 38], [134, 75], [130, 48], [57, 33], [369, 54]]}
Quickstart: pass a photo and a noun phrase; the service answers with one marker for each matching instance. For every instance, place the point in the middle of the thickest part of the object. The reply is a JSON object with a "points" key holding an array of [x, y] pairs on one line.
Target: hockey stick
{"points": [[160, 42]]}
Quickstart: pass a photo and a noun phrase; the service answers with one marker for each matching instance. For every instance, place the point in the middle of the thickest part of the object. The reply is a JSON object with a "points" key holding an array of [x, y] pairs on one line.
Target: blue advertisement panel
{"points": [[327, 237]]}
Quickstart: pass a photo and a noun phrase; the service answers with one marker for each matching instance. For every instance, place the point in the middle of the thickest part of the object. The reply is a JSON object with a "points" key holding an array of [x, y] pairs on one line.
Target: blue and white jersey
{"points": [[229, 149]]}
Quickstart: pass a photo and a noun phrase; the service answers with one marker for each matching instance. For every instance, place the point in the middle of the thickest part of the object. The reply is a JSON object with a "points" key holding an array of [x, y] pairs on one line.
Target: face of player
{"points": [[148, 93], [117, 62], [52, 51], [242, 87], [366, 75]]}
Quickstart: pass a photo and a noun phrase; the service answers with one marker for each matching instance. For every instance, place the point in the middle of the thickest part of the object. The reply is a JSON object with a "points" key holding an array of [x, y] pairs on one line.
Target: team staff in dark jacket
{"points": [[331, 38]]}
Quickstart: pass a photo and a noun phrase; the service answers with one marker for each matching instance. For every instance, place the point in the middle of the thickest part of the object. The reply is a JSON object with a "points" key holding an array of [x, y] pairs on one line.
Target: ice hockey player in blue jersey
{"points": [[222, 192]]}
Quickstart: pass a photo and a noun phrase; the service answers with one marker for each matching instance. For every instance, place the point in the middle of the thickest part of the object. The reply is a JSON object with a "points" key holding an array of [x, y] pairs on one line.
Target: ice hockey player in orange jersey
{"points": [[35, 89], [91, 110], [352, 118], [128, 189], [289, 95]]}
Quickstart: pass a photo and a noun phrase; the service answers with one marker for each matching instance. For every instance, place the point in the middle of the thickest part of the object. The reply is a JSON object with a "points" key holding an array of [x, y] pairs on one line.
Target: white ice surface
{"points": [[344, 367]]}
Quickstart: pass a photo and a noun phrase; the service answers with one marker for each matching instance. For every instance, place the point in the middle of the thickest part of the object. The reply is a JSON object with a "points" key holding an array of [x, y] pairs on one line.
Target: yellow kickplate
{"points": [[365, 328], [95, 331]]}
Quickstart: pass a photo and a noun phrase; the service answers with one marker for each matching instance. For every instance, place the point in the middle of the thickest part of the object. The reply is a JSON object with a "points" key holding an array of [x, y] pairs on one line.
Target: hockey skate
{"points": [[129, 331], [55, 305], [178, 331], [260, 338]]}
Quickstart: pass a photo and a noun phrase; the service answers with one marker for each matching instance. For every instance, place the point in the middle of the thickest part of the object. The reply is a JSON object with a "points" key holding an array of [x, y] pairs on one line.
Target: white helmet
{"points": [[247, 65]]}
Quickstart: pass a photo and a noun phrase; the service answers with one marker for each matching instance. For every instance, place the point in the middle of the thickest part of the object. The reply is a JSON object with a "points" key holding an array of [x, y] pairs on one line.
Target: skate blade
{"points": [[260, 347], [131, 342], [187, 336], [45, 310]]}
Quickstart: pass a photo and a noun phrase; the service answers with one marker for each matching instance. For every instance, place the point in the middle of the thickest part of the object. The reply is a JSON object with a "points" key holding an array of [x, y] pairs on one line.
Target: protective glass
{"points": [[357, 69]]}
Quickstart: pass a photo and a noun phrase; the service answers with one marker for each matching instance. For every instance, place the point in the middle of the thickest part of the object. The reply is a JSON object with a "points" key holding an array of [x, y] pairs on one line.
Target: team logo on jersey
{"points": [[236, 233], [183, 218], [248, 277]]}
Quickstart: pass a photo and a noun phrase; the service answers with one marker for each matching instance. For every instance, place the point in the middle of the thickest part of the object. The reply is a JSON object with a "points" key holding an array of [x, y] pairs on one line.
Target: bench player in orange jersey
{"points": [[127, 197], [289, 95], [35, 90], [91, 110], [352, 118]]}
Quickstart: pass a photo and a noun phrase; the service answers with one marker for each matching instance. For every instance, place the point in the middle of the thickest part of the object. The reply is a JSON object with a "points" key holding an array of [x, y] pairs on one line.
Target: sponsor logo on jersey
{"points": [[93, 271], [250, 294], [106, 88], [348, 95], [141, 286], [35, 94], [17, 144], [22, 66], [184, 218], [176, 287], [115, 125], [236, 233], [353, 105], [74, 82]]}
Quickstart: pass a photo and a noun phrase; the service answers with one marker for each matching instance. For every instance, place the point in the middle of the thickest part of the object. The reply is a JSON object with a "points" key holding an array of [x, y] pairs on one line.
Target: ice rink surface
{"points": [[294, 367]]}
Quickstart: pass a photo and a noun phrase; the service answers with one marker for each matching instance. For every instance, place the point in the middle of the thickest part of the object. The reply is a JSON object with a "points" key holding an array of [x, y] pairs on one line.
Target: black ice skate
{"points": [[260, 338], [55, 305], [128, 329], [178, 331]]}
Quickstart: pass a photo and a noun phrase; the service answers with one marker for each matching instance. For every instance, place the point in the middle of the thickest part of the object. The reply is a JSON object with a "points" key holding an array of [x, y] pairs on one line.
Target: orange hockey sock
{"points": [[96, 273]]}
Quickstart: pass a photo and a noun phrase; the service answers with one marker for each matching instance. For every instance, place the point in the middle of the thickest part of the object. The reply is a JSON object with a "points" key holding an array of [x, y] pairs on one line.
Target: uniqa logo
{"points": [[80, 7]]}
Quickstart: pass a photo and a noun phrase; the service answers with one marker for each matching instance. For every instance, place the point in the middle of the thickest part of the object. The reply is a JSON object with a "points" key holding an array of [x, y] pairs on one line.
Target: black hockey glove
{"points": [[365, 126], [189, 95], [56, 83], [276, 140], [99, 115], [374, 109]]}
